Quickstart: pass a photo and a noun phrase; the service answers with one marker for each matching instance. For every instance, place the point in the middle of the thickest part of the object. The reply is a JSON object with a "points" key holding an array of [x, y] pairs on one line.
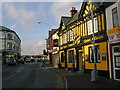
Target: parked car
{"points": [[39, 60], [28, 60], [32, 60], [12, 62], [21, 61]]}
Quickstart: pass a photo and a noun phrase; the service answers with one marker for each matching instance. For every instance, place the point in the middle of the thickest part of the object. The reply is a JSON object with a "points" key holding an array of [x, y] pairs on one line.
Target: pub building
{"points": [[77, 39]]}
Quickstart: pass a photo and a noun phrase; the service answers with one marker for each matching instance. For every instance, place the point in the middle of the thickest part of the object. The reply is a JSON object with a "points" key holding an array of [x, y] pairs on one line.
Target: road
{"points": [[29, 75]]}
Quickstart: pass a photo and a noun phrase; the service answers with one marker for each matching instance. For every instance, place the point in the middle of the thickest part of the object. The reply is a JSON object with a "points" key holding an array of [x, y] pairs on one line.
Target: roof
{"points": [[74, 18], [3, 28], [65, 19], [98, 5], [52, 32]]}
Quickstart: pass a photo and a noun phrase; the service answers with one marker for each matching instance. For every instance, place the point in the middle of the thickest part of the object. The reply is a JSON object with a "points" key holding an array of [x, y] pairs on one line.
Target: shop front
{"points": [[114, 52], [100, 53]]}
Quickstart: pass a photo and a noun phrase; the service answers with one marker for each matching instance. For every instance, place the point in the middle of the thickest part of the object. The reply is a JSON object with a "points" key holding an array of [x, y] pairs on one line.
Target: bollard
{"points": [[94, 75]]}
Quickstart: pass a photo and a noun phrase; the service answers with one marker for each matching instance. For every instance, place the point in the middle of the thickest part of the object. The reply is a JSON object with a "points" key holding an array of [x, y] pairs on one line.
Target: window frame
{"points": [[91, 54], [62, 57], [71, 56], [71, 35], [113, 19]]}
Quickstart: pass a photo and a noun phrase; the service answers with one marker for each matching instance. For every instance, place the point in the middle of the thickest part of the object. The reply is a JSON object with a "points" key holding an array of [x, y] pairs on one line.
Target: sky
{"points": [[23, 18]]}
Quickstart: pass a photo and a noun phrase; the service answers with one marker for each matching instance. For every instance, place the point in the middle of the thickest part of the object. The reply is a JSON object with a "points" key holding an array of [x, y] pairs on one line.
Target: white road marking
{"points": [[11, 76], [20, 69]]}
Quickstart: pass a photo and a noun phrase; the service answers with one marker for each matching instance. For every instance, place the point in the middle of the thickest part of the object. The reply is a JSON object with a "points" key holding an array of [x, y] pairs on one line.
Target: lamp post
{"points": [[45, 24], [48, 35], [94, 71]]}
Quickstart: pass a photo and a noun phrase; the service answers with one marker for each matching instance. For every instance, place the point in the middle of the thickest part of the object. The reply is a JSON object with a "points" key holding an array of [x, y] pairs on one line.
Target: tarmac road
{"points": [[29, 75]]}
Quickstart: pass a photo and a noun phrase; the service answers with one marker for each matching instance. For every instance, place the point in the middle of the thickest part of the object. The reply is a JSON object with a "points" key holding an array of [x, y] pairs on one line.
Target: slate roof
{"points": [[65, 19], [74, 18]]}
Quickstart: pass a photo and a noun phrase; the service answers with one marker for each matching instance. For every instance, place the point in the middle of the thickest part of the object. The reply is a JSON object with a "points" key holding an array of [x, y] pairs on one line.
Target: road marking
{"points": [[11, 76], [20, 69]]}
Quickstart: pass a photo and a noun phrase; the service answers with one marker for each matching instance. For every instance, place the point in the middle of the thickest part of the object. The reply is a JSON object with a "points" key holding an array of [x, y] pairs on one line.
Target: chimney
{"points": [[73, 11]]}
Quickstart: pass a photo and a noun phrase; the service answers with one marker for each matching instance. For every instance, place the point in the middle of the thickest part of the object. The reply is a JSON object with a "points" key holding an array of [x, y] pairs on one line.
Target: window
{"points": [[115, 17], [65, 38], [71, 35], [117, 49], [60, 40], [97, 54], [117, 61], [9, 46], [71, 56], [62, 57], [0, 34], [89, 24], [95, 25], [55, 43], [9, 36]]}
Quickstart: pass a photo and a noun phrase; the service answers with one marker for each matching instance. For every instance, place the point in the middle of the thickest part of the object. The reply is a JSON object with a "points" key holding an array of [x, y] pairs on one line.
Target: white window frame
{"points": [[89, 24], [71, 35], [95, 25], [60, 40], [65, 38]]}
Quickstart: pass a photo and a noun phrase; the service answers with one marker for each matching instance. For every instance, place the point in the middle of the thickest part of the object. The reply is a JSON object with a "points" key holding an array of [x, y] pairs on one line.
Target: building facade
{"points": [[89, 39], [113, 32], [85, 33], [10, 44], [55, 48]]}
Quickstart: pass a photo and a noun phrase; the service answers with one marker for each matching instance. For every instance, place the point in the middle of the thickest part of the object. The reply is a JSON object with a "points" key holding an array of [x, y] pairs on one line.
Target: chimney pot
{"points": [[73, 11]]}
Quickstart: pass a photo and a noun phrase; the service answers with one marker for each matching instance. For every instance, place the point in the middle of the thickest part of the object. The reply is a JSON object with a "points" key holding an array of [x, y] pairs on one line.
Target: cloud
{"points": [[23, 18], [33, 47], [63, 9]]}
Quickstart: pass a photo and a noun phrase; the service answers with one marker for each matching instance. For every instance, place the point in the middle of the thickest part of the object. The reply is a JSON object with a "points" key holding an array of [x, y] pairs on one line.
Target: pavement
{"points": [[83, 80]]}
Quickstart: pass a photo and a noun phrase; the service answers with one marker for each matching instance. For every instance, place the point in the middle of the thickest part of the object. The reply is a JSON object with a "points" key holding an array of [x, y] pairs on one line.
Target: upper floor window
{"points": [[71, 35], [90, 26], [9, 36], [115, 17], [95, 25], [9, 46], [0, 34], [55, 43], [60, 40], [65, 38]]}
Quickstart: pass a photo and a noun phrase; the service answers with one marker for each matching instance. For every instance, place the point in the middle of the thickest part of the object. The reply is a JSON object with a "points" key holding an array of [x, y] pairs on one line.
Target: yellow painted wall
{"points": [[63, 65], [103, 63]]}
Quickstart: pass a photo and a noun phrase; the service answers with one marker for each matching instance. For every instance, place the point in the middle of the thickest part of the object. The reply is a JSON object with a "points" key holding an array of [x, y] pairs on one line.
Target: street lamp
{"points": [[45, 24], [94, 71], [48, 33]]}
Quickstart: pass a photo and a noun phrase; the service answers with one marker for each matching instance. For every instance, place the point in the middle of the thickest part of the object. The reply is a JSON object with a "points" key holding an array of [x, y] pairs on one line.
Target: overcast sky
{"points": [[23, 18]]}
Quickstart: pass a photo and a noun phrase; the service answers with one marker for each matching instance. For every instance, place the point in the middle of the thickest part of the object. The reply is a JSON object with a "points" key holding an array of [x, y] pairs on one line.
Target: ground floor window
{"points": [[71, 56], [97, 54], [62, 57]]}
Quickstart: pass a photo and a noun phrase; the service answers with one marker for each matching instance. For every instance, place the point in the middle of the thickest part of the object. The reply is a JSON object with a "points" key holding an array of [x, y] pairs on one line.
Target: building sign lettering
{"points": [[95, 38], [114, 37]]}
